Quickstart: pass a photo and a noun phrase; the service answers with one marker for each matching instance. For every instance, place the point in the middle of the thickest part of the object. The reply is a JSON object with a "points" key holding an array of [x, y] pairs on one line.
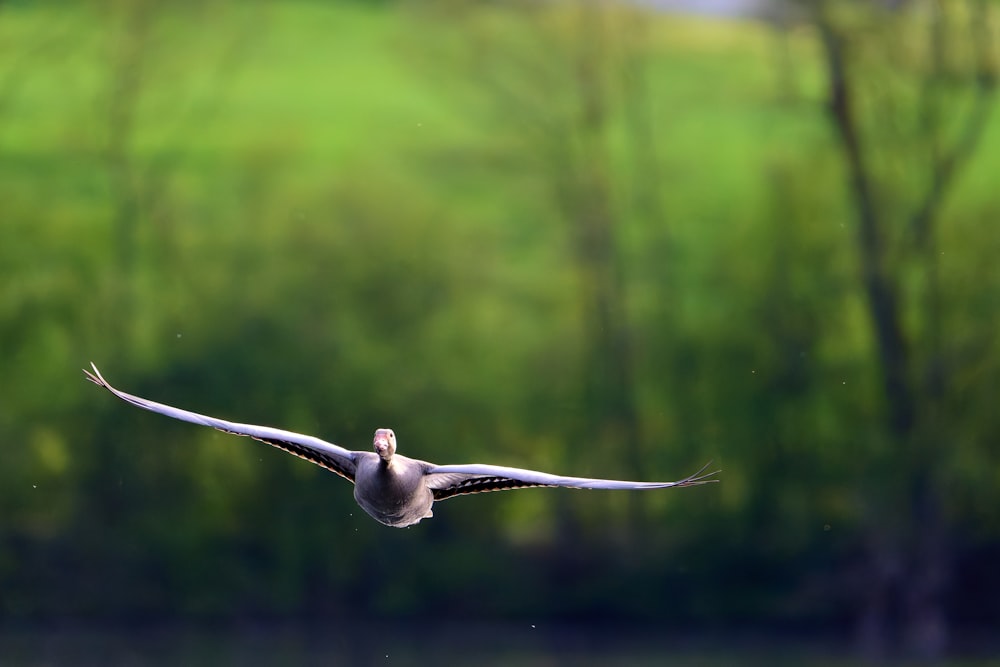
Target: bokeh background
{"points": [[596, 238]]}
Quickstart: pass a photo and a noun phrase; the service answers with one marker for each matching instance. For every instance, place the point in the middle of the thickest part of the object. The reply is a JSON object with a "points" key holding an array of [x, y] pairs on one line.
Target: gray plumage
{"points": [[394, 489]]}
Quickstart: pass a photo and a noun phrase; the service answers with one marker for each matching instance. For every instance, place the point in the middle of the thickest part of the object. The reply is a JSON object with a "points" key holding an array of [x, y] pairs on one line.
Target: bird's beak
{"points": [[381, 445]]}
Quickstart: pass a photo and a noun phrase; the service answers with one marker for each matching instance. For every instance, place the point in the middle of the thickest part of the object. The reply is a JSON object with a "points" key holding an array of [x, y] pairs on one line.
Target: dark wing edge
{"points": [[458, 484], [318, 458], [319, 452], [448, 481]]}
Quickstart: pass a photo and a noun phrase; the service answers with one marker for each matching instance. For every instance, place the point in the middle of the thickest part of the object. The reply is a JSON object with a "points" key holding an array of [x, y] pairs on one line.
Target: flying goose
{"points": [[394, 489]]}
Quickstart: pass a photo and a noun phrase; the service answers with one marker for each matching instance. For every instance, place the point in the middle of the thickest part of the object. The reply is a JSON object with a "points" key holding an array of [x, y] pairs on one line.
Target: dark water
{"points": [[266, 644], [258, 644]]}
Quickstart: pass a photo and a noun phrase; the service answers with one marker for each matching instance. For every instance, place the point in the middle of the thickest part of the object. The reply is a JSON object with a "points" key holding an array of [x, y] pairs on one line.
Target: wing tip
{"points": [[700, 476], [96, 376]]}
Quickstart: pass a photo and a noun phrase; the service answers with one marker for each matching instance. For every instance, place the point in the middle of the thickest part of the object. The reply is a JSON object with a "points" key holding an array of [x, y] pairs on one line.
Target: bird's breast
{"points": [[392, 494]]}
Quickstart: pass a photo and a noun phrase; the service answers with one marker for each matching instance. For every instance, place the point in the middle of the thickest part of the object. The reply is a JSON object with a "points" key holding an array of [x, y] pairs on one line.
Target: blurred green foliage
{"points": [[332, 218]]}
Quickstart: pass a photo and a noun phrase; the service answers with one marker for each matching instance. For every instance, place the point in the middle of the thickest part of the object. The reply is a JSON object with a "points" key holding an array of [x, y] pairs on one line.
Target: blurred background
{"points": [[596, 238]]}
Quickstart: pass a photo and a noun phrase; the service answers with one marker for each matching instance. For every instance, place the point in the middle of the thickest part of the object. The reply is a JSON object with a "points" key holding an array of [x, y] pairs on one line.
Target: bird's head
{"points": [[385, 443]]}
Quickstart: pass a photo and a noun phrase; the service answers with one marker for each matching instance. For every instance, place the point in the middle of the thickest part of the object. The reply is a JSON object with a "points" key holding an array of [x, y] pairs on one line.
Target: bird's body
{"points": [[394, 489], [394, 493]]}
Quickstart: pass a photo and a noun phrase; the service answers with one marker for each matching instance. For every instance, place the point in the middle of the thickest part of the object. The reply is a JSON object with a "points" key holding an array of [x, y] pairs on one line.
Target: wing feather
{"points": [[454, 480], [324, 454]]}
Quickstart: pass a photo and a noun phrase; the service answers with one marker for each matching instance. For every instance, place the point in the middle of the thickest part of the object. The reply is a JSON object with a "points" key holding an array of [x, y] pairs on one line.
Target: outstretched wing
{"points": [[448, 481], [324, 454]]}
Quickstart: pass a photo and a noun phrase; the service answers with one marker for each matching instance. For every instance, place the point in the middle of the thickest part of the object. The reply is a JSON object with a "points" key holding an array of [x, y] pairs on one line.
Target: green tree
{"points": [[909, 93]]}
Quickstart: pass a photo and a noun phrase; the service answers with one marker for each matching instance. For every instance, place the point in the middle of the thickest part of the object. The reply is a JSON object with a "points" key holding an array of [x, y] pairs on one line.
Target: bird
{"points": [[393, 489]]}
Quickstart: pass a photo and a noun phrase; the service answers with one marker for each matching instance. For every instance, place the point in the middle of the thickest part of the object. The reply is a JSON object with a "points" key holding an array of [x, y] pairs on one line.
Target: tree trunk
{"points": [[919, 587]]}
